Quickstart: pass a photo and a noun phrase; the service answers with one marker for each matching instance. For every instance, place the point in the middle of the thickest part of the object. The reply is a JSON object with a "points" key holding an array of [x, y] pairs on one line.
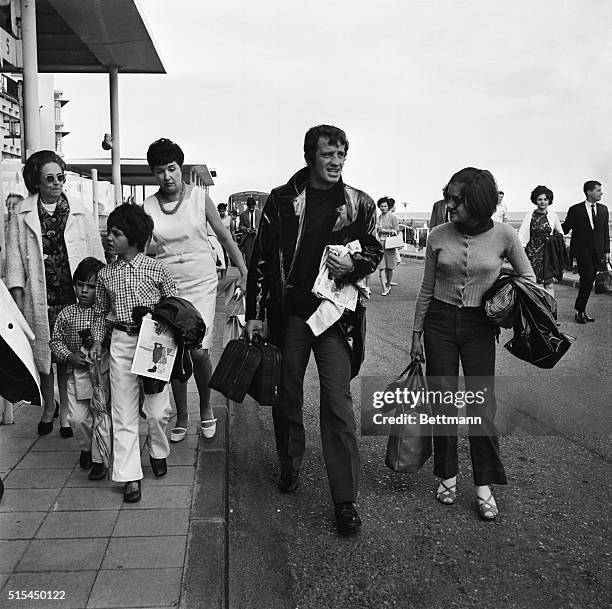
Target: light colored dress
{"points": [[387, 221], [181, 243]]}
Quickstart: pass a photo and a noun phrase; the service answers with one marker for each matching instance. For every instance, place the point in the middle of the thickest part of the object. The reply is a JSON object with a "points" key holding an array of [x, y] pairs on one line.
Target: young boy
{"points": [[133, 280], [72, 324]]}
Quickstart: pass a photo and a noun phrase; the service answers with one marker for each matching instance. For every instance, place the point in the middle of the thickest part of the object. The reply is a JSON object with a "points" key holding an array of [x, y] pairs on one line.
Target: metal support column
{"points": [[31, 114], [94, 190], [113, 74]]}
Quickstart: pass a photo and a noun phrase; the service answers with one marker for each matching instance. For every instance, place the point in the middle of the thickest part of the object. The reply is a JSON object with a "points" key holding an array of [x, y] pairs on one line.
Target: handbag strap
{"points": [[238, 302]]}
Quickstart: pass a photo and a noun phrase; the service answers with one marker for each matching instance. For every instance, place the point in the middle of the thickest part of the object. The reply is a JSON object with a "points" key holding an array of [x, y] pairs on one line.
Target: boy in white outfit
{"points": [[133, 280], [71, 332]]}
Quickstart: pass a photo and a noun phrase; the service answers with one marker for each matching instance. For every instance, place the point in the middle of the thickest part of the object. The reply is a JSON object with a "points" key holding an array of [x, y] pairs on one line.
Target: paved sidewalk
{"points": [[63, 534]]}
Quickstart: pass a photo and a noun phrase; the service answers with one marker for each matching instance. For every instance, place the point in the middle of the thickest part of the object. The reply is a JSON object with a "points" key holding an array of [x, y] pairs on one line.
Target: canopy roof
{"points": [[94, 35], [135, 172]]}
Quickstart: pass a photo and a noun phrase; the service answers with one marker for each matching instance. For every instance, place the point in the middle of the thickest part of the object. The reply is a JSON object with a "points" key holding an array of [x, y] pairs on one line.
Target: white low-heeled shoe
{"points": [[178, 433], [211, 430]]}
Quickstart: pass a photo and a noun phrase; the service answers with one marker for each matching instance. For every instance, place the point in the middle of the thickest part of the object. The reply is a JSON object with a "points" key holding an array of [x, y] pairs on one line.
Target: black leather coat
{"points": [[278, 244]]}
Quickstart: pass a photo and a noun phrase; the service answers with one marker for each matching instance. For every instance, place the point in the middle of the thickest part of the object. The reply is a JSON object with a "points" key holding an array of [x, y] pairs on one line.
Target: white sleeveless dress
{"points": [[180, 242]]}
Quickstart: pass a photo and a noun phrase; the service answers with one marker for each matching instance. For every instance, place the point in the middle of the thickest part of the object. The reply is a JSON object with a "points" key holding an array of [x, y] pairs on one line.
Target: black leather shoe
{"points": [[588, 318], [347, 518], [131, 492], [66, 432], [85, 460], [45, 428], [580, 318], [289, 481], [98, 471], [159, 467]]}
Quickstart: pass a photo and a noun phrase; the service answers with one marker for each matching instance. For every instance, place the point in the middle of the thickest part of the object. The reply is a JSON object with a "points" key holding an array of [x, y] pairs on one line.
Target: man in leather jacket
{"points": [[314, 209]]}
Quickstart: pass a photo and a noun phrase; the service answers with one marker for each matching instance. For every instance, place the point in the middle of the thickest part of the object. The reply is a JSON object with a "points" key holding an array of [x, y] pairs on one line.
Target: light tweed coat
{"points": [[25, 268]]}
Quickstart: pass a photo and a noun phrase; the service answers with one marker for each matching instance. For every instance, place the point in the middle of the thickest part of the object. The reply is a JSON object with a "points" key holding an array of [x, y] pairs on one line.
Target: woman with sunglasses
{"points": [[48, 235], [462, 261]]}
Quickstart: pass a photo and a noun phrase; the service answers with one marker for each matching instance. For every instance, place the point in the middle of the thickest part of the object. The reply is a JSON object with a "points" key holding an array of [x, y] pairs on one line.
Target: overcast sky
{"points": [[422, 88]]}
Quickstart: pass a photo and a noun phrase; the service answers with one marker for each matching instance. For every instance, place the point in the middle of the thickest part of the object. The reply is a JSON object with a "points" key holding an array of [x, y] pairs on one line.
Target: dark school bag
{"points": [[265, 386], [236, 369]]}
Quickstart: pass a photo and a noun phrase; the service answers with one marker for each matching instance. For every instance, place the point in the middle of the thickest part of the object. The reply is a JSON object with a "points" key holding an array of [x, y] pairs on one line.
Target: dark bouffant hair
{"points": [[33, 167], [133, 222], [541, 190], [589, 186], [381, 201], [163, 152], [335, 136], [88, 267], [479, 191], [222, 207]]}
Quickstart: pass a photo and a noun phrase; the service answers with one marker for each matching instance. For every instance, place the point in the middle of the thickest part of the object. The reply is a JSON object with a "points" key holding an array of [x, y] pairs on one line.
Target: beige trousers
{"points": [[124, 403]]}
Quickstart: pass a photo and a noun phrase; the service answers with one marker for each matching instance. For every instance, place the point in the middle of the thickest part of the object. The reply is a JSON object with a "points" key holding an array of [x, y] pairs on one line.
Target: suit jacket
{"points": [[584, 238], [438, 214], [245, 219]]}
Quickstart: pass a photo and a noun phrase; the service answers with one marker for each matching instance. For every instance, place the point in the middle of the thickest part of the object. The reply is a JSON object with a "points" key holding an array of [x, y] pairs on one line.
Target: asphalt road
{"points": [[549, 548]]}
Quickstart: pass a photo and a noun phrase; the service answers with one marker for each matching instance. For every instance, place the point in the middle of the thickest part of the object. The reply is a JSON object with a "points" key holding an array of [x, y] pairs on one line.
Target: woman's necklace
{"points": [[178, 203]]}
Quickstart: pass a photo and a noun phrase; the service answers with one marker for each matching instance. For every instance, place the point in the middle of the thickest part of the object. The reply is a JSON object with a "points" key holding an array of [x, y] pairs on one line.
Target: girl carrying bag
{"points": [[410, 443]]}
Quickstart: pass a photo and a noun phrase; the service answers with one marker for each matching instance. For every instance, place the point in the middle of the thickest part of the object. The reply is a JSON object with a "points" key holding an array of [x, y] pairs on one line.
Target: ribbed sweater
{"points": [[459, 269]]}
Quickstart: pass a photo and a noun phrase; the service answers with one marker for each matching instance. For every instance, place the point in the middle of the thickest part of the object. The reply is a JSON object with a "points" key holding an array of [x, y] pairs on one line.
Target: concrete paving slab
{"points": [[158, 552], [162, 497], [178, 475], [49, 460], [20, 525], [90, 499], [9, 443], [63, 555], [74, 587], [3, 579], [9, 459], [78, 478], [78, 524], [53, 443], [115, 589], [41, 478], [135, 523], [178, 456], [11, 552], [28, 500]]}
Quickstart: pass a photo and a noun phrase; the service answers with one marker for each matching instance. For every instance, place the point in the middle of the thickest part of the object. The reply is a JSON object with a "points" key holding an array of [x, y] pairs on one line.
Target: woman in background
{"points": [[535, 230], [387, 225]]}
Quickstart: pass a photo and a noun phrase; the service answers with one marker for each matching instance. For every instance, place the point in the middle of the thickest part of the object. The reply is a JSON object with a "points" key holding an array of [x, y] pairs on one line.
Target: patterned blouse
{"points": [[60, 291]]}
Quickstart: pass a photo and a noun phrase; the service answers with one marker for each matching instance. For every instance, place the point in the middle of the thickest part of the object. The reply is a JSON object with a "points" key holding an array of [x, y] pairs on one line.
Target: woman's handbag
{"points": [[236, 368], [234, 325], [410, 443], [394, 242]]}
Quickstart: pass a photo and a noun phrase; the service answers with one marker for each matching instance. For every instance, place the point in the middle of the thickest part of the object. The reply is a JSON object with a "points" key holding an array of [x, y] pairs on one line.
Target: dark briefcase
{"points": [[236, 369], [265, 386]]}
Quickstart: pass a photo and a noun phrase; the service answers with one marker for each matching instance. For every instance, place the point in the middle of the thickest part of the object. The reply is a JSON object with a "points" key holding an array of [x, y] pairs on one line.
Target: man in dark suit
{"points": [[439, 214], [590, 243], [249, 223]]}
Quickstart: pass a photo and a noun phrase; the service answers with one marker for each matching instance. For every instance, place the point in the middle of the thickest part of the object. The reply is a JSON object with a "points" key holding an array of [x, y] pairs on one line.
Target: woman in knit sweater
{"points": [[462, 261]]}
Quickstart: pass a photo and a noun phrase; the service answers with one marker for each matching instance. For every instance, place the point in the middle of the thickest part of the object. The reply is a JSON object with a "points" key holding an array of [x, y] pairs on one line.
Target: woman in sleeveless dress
{"points": [[181, 213]]}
